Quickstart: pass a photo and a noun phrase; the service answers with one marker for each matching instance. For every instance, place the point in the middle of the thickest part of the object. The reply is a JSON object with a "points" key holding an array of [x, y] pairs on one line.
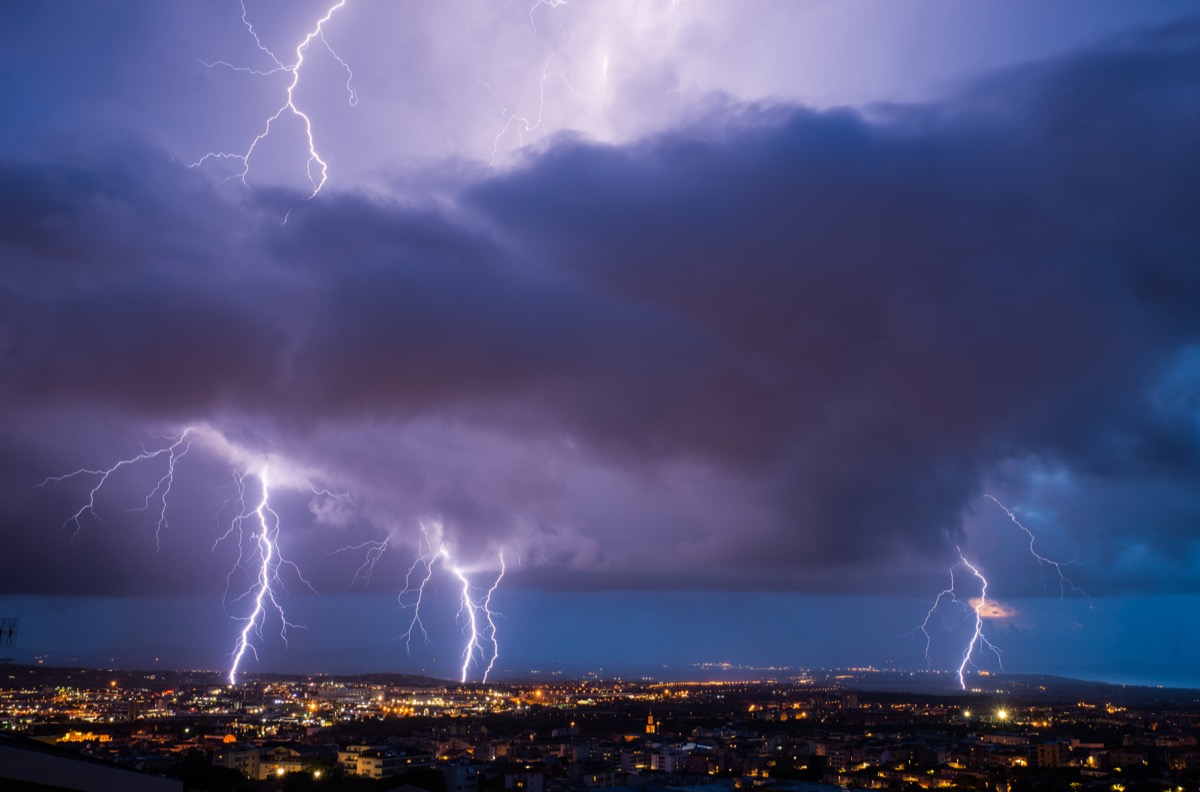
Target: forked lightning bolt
{"points": [[262, 592], [468, 612], [315, 168], [523, 124], [1064, 582], [374, 551], [978, 641], [255, 528], [491, 620], [977, 638], [425, 560], [172, 452], [472, 609]]}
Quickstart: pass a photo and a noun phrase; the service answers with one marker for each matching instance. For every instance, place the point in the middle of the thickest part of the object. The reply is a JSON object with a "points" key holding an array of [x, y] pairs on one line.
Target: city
{"points": [[801, 732]]}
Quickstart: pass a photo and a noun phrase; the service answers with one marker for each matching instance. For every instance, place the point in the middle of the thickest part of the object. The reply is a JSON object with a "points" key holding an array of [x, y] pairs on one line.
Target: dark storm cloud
{"points": [[899, 304], [855, 317]]}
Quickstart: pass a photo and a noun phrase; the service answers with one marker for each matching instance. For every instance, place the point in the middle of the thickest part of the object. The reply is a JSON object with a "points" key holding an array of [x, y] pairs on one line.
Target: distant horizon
{"points": [[167, 628], [649, 674]]}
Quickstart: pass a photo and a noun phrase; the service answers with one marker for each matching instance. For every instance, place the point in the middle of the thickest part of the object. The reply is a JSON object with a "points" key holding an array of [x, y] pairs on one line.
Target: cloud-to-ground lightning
{"points": [[262, 592], [475, 610], [316, 169], [977, 637], [980, 605], [469, 613], [977, 606], [255, 528], [426, 558], [490, 616], [263, 595]]}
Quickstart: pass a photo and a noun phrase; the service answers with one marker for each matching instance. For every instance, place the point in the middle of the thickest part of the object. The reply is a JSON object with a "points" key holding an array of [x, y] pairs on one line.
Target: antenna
{"points": [[8, 632]]}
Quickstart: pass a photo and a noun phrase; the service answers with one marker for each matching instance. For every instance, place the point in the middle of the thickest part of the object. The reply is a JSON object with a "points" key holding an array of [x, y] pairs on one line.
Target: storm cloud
{"points": [[775, 347]]}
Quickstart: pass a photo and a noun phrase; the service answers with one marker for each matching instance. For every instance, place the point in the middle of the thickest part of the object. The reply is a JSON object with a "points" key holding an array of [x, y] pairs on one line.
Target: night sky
{"points": [[720, 321]]}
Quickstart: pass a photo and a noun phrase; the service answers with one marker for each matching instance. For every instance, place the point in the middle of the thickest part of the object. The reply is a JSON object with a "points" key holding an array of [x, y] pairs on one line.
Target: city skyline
{"points": [[621, 334]]}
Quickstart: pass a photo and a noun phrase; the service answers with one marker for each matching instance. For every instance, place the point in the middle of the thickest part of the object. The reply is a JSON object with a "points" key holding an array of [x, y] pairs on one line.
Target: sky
{"points": [[722, 331]]}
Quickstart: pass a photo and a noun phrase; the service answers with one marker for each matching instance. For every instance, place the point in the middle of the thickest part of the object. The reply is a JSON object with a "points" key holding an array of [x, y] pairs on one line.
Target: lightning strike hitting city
{"points": [[475, 611], [258, 545], [979, 607], [675, 341]]}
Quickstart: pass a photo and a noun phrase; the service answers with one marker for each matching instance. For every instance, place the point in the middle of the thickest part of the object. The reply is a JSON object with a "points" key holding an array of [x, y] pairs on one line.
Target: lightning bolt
{"points": [[316, 169], [374, 550], [258, 544], [469, 610], [523, 124], [978, 641], [923, 627], [977, 638], [425, 560], [490, 616], [255, 529], [262, 592], [162, 489], [472, 609], [340, 496], [1064, 582], [534, 7]]}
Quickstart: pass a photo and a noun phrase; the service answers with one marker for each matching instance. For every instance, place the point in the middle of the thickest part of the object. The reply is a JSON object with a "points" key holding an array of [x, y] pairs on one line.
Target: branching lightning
{"points": [[1064, 582], [425, 560], [316, 169], [262, 593], [469, 613], [923, 627], [374, 551], [524, 125], [978, 640], [475, 610], [255, 528], [977, 606], [161, 490], [490, 616]]}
